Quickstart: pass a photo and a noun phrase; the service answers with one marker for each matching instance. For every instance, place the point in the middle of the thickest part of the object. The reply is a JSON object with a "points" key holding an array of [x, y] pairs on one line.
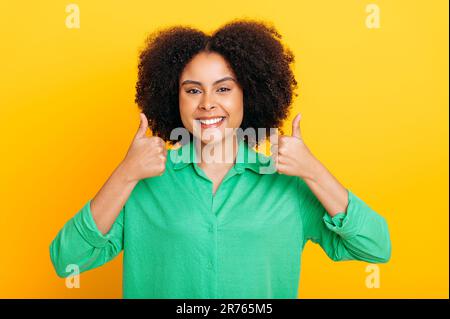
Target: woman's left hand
{"points": [[292, 156]]}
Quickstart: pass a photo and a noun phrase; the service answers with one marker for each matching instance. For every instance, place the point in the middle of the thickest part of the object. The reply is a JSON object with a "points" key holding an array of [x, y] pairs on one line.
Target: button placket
{"points": [[212, 229]]}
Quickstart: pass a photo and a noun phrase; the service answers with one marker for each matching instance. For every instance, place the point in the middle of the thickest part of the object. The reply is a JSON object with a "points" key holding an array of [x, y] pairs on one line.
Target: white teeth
{"points": [[211, 121]]}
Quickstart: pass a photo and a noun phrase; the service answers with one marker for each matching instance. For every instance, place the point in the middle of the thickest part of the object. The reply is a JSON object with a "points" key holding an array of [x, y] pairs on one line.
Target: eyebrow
{"points": [[215, 82]]}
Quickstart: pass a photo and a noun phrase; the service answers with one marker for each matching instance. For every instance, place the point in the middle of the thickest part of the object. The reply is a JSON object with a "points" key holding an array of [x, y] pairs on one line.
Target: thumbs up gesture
{"points": [[291, 155], [146, 156]]}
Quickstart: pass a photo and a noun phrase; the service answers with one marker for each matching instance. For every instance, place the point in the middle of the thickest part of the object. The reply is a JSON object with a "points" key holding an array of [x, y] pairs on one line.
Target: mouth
{"points": [[211, 122]]}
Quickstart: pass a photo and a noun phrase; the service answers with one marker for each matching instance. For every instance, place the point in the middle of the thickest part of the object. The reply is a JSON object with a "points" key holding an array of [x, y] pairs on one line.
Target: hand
{"points": [[291, 155], [146, 156]]}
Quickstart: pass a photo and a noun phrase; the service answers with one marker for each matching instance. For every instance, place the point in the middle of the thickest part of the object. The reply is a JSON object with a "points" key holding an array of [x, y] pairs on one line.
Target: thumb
{"points": [[274, 135], [143, 126], [296, 126]]}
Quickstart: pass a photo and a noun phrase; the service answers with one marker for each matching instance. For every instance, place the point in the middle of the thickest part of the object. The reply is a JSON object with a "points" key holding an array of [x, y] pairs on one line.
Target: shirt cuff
{"points": [[86, 226], [348, 225]]}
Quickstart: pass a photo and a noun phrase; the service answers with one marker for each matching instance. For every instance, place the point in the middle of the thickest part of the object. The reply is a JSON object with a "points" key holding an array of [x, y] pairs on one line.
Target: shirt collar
{"points": [[246, 158]]}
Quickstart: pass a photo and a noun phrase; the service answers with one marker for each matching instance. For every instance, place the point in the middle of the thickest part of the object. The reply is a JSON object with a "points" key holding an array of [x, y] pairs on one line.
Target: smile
{"points": [[213, 122]]}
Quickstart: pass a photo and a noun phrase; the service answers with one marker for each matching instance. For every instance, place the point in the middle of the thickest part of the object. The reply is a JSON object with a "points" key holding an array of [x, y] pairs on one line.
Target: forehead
{"points": [[206, 67]]}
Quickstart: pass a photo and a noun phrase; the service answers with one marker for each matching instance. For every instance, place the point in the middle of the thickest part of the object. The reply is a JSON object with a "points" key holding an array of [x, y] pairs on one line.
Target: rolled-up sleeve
{"points": [[357, 234], [81, 243]]}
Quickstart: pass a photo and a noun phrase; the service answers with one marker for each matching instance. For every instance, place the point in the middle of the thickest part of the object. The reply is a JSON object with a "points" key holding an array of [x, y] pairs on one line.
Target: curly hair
{"points": [[254, 51]]}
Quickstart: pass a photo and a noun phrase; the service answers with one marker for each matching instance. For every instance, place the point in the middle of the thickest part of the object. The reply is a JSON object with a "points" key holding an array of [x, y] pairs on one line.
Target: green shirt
{"points": [[245, 241]]}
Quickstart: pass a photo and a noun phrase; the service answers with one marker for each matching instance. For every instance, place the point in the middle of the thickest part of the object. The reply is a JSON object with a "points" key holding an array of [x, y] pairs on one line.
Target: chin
{"points": [[213, 141], [215, 136]]}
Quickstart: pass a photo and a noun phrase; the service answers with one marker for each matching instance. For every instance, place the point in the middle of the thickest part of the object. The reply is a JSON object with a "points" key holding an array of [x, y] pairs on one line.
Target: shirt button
{"points": [[209, 265], [211, 229]]}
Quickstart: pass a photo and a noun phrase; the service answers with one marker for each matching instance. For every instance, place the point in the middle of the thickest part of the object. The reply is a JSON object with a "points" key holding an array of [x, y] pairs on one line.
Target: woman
{"points": [[214, 218]]}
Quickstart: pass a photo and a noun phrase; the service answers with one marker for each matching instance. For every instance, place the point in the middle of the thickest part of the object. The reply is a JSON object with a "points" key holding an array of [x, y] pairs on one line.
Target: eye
{"points": [[193, 91], [223, 89]]}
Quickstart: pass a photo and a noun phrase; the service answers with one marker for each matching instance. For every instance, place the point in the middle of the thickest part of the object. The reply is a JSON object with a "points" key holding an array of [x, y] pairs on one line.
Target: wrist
{"points": [[122, 173], [315, 171]]}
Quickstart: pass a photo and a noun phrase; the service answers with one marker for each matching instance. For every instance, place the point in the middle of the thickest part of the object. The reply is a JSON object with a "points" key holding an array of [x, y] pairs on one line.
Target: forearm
{"points": [[332, 194], [110, 199]]}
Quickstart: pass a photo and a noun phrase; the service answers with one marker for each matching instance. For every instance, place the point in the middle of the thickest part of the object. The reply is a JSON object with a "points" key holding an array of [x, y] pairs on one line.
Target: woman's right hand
{"points": [[146, 156]]}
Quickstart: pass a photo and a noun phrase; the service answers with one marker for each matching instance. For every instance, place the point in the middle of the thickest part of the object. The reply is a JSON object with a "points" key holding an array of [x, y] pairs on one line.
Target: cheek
{"points": [[186, 107], [236, 110]]}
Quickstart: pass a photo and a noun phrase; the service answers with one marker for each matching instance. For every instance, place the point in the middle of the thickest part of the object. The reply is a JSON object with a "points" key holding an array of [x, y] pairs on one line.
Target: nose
{"points": [[206, 103], [207, 107]]}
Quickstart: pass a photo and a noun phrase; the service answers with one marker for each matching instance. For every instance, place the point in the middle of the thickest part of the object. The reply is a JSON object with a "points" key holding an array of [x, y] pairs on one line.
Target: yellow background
{"points": [[374, 105]]}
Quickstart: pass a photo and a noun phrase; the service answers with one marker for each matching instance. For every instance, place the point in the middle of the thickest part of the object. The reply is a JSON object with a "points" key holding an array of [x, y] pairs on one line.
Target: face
{"points": [[211, 100]]}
